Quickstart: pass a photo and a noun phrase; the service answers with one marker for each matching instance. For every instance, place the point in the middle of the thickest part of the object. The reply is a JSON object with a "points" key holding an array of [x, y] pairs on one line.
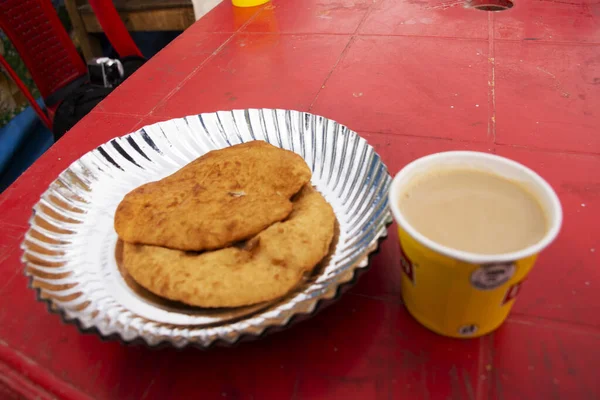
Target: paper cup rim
{"points": [[469, 257]]}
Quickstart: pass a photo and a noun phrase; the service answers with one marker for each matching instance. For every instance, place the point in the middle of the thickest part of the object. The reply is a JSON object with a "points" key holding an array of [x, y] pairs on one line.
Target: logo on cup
{"points": [[467, 330], [512, 292], [407, 266], [491, 276]]}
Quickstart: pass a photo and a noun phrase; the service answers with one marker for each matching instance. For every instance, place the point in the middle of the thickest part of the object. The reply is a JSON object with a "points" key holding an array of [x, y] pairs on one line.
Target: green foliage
{"points": [[13, 59]]}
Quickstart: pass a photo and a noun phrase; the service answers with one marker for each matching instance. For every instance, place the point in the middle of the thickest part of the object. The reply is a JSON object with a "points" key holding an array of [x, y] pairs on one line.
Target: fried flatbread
{"points": [[265, 268], [216, 200]]}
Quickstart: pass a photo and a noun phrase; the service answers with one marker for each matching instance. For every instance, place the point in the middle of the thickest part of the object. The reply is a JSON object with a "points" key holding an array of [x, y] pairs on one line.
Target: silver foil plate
{"points": [[71, 249]]}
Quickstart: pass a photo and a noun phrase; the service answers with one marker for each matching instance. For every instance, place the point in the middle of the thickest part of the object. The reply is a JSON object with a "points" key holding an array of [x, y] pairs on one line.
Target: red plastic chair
{"points": [[114, 28], [47, 51]]}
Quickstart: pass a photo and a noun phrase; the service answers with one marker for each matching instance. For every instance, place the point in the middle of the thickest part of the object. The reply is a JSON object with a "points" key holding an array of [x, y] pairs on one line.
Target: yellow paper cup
{"points": [[248, 3], [457, 293]]}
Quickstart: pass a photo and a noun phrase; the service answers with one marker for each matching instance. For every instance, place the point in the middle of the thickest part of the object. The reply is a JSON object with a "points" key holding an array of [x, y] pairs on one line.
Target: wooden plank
{"points": [[89, 45], [138, 5], [169, 19]]}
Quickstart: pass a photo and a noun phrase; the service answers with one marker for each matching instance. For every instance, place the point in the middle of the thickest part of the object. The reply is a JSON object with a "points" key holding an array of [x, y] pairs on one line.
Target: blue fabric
{"points": [[22, 141]]}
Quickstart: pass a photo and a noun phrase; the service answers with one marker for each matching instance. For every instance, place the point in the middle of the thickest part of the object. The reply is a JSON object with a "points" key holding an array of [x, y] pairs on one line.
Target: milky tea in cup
{"points": [[470, 227]]}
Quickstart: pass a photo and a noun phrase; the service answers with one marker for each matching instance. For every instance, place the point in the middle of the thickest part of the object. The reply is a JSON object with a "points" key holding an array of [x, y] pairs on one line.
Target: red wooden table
{"points": [[413, 77]]}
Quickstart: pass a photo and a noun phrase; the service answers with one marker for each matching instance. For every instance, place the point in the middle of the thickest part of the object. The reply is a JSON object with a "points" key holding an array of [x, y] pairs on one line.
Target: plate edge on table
{"points": [[246, 337]]}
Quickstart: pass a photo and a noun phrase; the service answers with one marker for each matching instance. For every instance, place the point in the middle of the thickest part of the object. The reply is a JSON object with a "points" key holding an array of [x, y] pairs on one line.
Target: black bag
{"points": [[82, 96]]}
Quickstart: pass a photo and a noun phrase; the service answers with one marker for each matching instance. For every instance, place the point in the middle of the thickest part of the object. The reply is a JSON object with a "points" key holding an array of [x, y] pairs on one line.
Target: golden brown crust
{"points": [[267, 267], [223, 197]]}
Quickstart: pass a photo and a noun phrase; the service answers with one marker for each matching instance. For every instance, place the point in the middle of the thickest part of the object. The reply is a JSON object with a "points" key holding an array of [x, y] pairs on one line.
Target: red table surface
{"points": [[414, 78]]}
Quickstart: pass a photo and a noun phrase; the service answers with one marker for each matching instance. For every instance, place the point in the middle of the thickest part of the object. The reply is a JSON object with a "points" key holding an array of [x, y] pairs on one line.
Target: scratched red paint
{"points": [[414, 77]]}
